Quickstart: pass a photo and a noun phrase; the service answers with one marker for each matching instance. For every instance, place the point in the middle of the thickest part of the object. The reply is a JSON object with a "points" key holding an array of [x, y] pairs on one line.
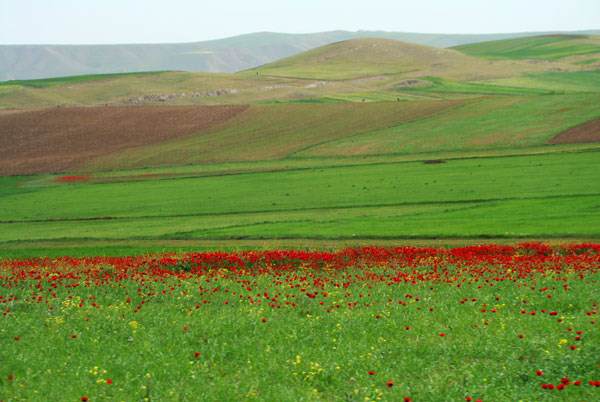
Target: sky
{"points": [[172, 21]]}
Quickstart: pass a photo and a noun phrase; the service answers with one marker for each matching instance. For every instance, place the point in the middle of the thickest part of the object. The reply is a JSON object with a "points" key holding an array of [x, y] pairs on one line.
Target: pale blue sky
{"points": [[167, 21]]}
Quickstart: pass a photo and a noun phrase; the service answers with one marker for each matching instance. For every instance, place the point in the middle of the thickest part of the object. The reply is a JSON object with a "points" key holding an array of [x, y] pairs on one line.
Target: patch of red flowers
{"points": [[72, 178]]}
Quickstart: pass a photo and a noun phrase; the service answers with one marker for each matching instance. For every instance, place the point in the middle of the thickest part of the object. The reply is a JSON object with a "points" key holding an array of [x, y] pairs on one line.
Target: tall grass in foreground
{"points": [[496, 323]]}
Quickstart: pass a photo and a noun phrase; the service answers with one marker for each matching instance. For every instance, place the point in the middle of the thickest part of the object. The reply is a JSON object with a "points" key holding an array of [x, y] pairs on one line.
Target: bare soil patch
{"points": [[63, 139], [586, 132]]}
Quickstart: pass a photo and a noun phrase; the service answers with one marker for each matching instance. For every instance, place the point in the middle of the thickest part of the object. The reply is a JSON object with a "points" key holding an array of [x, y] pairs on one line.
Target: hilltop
{"points": [[388, 58], [359, 58]]}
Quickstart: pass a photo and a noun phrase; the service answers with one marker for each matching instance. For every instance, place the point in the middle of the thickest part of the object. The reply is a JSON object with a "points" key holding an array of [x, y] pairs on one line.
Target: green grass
{"points": [[184, 342], [491, 122], [308, 100], [553, 47], [464, 87], [520, 196], [586, 62], [578, 81], [444, 85], [75, 79]]}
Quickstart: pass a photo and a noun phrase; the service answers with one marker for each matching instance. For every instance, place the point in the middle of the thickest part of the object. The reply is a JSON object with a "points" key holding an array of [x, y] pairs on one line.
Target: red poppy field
{"points": [[490, 323]]}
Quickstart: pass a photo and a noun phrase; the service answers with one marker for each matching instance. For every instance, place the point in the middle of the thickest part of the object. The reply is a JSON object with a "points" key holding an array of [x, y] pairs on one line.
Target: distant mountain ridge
{"points": [[222, 55]]}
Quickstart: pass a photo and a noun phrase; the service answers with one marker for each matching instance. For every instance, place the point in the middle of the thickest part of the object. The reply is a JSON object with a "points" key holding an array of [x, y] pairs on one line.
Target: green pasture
{"points": [[465, 87], [578, 81], [493, 197], [488, 122], [552, 47], [75, 79]]}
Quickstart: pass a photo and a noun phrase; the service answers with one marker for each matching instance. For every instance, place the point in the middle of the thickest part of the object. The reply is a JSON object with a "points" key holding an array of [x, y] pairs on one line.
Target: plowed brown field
{"points": [[62, 139], [586, 132]]}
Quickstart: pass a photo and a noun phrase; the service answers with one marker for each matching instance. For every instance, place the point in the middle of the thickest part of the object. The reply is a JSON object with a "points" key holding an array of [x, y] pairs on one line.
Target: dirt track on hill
{"points": [[62, 139], [586, 132]]}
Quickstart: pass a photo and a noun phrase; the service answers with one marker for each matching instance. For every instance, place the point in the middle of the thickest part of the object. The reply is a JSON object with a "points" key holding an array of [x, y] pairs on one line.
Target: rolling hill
{"points": [[371, 57], [222, 55]]}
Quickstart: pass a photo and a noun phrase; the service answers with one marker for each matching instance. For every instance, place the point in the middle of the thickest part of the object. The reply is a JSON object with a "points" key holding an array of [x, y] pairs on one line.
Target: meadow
{"points": [[488, 323], [422, 228]]}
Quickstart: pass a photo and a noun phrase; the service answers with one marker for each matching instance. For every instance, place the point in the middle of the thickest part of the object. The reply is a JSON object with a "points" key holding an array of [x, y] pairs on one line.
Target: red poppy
{"points": [[264, 320], [196, 354], [109, 382], [538, 372], [389, 383], [10, 378], [371, 372]]}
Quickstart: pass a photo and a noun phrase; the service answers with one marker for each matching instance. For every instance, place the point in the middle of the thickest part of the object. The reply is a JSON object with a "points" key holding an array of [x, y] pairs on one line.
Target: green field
{"points": [[76, 79], [551, 47], [554, 82], [494, 197], [489, 122], [346, 160]]}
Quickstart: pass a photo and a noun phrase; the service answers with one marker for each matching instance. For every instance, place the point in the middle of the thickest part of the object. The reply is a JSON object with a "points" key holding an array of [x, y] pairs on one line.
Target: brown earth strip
{"points": [[586, 132], [62, 139]]}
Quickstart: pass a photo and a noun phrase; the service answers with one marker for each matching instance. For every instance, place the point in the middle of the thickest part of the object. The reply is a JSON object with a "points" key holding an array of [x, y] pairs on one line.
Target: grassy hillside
{"points": [[579, 81], [491, 122], [360, 58], [547, 47], [75, 79]]}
